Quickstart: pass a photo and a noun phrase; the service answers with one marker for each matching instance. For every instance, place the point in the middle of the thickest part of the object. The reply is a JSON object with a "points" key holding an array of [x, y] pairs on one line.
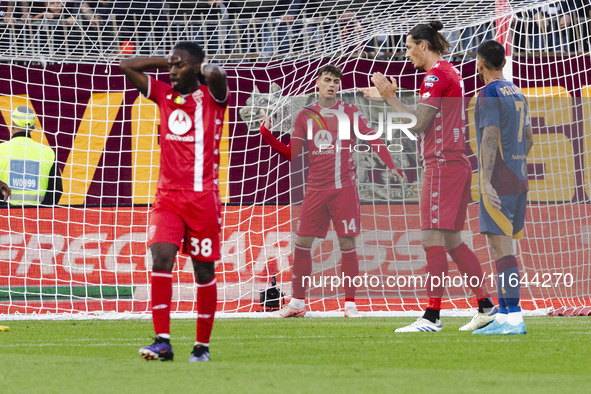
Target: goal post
{"points": [[88, 255]]}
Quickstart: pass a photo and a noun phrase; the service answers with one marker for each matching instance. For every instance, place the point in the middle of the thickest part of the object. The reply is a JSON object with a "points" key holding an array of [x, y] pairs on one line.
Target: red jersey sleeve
{"points": [[156, 89], [280, 147]]}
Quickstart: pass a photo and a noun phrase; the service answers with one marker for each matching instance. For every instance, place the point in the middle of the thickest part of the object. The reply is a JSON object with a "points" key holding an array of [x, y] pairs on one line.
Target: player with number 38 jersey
{"points": [[187, 211]]}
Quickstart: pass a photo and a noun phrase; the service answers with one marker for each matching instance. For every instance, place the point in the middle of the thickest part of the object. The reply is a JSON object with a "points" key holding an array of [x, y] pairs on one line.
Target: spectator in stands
{"points": [[267, 26], [28, 167], [472, 36], [290, 28], [548, 27], [19, 11], [57, 32], [203, 21], [136, 23], [97, 21], [60, 11]]}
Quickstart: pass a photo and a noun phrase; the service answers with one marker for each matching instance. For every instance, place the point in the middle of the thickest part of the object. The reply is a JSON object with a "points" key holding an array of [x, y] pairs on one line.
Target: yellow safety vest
{"points": [[25, 166]]}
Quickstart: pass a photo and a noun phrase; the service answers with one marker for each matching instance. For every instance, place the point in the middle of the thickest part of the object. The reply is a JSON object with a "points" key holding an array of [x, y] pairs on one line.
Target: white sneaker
{"points": [[480, 320], [351, 311], [422, 325], [287, 311]]}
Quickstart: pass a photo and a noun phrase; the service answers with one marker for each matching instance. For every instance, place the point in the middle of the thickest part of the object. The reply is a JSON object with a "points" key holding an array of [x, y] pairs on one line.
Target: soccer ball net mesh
{"points": [[88, 255]]}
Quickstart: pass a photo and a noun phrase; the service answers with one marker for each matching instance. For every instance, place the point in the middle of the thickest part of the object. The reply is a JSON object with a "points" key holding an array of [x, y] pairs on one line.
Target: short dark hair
{"points": [[492, 54], [329, 68], [430, 33], [194, 50]]}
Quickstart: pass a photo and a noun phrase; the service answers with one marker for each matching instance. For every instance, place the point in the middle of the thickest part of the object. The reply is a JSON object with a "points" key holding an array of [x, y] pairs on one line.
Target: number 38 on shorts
{"points": [[201, 247]]}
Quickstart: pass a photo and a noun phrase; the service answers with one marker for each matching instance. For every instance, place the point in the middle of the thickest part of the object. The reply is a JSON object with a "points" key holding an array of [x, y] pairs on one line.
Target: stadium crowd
{"points": [[261, 29]]}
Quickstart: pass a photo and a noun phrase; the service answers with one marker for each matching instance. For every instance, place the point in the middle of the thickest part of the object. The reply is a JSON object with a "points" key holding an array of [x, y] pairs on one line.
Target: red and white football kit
{"points": [[446, 187], [187, 209], [331, 188]]}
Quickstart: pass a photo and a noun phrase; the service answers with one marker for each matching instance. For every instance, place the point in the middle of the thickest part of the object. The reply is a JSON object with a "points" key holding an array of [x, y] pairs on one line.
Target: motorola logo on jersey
{"points": [[179, 122], [322, 137]]}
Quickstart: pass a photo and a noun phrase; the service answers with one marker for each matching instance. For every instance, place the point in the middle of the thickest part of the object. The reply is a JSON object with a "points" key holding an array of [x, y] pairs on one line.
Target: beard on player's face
{"points": [[414, 54], [479, 69]]}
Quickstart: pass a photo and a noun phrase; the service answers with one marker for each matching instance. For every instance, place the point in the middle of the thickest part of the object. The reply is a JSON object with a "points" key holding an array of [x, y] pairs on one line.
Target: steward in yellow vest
{"points": [[28, 167]]}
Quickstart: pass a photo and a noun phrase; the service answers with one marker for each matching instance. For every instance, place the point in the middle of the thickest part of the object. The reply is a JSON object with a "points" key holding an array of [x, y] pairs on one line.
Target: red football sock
{"points": [[301, 266], [349, 269], [161, 299], [437, 270], [469, 265], [207, 299]]}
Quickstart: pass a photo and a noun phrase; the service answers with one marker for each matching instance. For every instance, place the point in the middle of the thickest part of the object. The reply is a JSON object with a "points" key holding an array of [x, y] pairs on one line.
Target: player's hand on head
{"points": [[492, 196]]}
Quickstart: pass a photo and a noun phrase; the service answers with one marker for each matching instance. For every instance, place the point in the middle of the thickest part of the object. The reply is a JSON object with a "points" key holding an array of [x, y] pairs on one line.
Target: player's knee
{"points": [[452, 240], [500, 246], [306, 242], [431, 238], [204, 271], [346, 243], [163, 256]]}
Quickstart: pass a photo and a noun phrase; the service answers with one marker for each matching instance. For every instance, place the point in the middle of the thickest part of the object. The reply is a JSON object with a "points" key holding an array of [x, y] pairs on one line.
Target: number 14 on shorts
{"points": [[350, 227], [202, 247]]}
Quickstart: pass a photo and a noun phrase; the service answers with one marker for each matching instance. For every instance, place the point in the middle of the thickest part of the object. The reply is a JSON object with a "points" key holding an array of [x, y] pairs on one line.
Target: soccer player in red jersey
{"points": [[331, 188], [446, 186], [187, 210]]}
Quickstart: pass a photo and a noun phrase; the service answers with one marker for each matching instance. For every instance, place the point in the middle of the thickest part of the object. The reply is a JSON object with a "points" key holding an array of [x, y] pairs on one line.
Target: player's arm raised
{"points": [[216, 80], [280, 147], [134, 69], [488, 155]]}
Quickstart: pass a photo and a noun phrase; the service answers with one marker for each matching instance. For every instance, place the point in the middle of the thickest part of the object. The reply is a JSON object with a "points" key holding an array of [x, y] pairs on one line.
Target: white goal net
{"points": [[88, 255]]}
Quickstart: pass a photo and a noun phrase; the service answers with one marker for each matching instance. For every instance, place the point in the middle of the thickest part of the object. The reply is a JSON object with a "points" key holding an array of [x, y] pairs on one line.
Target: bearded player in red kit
{"points": [[187, 209], [445, 193]]}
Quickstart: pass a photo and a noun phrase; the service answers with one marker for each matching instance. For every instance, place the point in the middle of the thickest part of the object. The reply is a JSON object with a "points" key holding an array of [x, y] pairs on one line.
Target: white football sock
{"points": [[350, 304], [514, 318], [501, 318]]}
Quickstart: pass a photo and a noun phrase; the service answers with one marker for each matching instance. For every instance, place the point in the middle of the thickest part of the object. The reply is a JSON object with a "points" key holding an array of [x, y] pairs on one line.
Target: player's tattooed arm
{"points": [[488, 154], [424, 114]]}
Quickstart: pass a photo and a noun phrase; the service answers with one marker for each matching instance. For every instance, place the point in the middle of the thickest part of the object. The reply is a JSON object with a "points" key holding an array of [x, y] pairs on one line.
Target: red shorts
{"points": [[193, 219], [320, 207], [444, 197]]}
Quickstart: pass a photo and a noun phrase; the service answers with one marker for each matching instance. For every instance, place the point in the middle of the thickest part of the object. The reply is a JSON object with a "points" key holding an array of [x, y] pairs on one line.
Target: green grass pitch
{"points": [[323, 355]]}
